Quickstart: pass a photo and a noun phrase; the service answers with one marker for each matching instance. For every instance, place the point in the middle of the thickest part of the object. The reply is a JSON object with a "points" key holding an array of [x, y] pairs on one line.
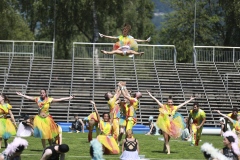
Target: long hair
{"points": [[129, 133]]}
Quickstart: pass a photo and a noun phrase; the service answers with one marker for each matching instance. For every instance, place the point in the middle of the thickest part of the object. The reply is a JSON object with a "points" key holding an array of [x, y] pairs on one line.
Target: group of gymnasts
{"points": [[111, 127]]}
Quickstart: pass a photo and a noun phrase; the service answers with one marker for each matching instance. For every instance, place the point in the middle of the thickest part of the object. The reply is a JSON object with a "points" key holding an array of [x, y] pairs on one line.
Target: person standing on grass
{"points": [[56, 152], [114, 110], [131, 108], [44, 125], [105, 138], [7, 127], [169, 120], [198, 117]]}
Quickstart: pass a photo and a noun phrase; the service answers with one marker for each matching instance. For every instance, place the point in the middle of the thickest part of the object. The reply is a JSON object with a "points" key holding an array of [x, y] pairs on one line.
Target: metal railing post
{"points": [[233, 55], [50, 76], [69, 102], [213, 54], [93, 66]]}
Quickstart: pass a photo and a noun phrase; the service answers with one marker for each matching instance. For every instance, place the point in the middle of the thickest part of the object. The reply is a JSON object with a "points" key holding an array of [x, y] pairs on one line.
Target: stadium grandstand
{"points": [[29, 66]]}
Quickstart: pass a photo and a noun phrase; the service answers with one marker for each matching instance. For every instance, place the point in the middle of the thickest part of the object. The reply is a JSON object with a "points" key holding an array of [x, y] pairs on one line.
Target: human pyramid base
{"points": [[111, 127]]}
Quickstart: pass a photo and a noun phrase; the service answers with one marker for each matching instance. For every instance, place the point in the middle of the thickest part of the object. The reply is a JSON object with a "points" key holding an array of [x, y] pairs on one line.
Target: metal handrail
{"points": [[184, 97], [205, 92], [93, 79], [139, 104], [226, 88], [159, 85], [4, 74], [52, 63], [226, 75], [72, 75]]}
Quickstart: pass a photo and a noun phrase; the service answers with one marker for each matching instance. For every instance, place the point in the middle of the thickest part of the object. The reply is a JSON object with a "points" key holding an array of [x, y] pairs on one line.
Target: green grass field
{"points": [[150, 146]]}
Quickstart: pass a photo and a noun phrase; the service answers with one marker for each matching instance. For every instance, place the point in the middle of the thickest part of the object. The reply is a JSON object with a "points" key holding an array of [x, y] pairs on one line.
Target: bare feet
{"points": [[105, 52]]}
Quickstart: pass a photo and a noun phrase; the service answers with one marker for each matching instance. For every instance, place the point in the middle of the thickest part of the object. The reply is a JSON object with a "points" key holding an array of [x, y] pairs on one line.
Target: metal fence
{"points": [[151, 52], [216, 54]]}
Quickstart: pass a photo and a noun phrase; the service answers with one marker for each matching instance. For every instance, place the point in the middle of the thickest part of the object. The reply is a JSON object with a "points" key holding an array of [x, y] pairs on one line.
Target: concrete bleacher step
{"points": [[159, 77]]}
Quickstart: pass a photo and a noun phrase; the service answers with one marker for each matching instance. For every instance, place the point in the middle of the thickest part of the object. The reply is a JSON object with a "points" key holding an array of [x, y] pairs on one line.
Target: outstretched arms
{"points": [[25, 96], [230, 119], [54, 100], [159, 103], [140, 40], [186, 102], [111, 37], [62, 99]]}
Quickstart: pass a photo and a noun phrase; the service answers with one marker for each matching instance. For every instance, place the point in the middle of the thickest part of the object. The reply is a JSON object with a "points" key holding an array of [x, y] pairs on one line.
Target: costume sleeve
{"points": [[50, 99], [203, 114], [229, 115], [131, 37], [9, 106], [36, 99], [112, 102]]}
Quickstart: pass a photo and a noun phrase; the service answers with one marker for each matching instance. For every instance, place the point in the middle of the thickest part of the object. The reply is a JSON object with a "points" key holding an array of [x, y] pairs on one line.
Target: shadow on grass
{"points": [[163, 152], [36, 150]]}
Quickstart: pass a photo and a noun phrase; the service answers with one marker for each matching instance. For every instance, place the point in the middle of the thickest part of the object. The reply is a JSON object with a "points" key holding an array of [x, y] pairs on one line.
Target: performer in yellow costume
{"points": [[122, 120], [235, 123], [233, 116], [105, 138], [198, 117], [114, 111], [131, 116], [92, 121], [44, 125], [169, 120], [127, 45], [7, 128]]}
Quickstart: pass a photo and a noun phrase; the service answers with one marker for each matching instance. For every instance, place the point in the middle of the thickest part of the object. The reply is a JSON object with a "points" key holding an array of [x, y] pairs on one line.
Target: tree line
{"points": [[217, 22]]}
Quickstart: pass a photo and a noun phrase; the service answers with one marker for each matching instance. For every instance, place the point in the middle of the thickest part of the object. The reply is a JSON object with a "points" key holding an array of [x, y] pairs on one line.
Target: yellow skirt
{"points": [[7, 129], [45, 128], [109, 143]]}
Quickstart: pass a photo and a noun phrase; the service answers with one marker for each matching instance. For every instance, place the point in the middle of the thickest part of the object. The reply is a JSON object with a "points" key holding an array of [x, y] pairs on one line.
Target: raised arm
{"points": [[111, 37], [141, 40], [62, 99], [186, 102], [230, 119], [159, 103], [94, 105], [126, 94], [25, 96], [117, 93]]}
